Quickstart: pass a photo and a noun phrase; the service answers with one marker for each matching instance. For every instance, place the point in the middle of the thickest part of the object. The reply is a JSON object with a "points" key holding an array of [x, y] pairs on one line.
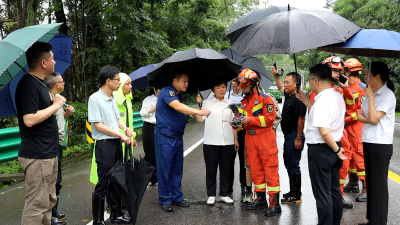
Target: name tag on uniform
{"points": [[121, 114]]}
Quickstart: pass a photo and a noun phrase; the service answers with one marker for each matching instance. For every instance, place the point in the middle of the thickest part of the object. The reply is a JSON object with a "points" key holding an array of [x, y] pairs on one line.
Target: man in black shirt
{"points": [[292, 124], [38, 150]]}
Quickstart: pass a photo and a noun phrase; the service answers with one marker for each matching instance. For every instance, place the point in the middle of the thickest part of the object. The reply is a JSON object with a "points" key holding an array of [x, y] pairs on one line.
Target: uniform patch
{"points": [[256, 102], [337, 90], [354, 91], [171, 93], [270, 108], [363, 98], [243, 106]]}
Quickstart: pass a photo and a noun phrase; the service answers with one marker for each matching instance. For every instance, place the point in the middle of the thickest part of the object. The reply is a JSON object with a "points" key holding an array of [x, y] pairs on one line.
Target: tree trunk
{"points": [[24, 13], [60, 18]]}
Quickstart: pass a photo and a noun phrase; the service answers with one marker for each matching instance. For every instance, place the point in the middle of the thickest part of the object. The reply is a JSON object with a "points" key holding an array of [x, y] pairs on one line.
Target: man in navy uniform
{"points": [[171, 121]]}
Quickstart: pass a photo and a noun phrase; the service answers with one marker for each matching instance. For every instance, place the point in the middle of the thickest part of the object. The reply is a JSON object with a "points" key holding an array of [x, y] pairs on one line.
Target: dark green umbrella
{"points": [[14, 46]]}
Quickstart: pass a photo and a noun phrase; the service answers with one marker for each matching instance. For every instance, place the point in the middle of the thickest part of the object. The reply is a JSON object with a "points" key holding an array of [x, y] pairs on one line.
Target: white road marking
{"points": [[189, 150], [397, 123]]}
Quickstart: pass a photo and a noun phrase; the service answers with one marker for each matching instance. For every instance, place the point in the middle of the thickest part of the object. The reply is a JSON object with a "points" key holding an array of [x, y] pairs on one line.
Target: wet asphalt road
{"points": [[75, 199]]}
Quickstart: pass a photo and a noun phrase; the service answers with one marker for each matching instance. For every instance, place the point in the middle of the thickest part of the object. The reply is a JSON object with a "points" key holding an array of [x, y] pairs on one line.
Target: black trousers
{"points": [[59, 175], [148, 147], [221, 156], [242, 163], [376, 160], [107, 154], [324, 167]]}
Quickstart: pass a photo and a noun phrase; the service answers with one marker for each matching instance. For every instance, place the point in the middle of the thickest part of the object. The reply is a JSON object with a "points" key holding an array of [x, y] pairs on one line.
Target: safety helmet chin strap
{"points": [[252, 86]]}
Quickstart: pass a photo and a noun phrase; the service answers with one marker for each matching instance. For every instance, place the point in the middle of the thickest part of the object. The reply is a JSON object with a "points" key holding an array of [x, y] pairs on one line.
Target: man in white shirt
{"points": [[325, 153]]}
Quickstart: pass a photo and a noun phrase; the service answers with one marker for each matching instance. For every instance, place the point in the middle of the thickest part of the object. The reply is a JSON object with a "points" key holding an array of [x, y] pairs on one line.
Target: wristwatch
{"points": [[338, 150], [299, 136]]}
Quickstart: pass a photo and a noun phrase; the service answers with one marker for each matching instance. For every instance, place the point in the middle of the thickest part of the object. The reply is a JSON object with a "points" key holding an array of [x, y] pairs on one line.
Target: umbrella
{"points": [[202, 66], [245, 21], [370, 43], [15, 45], [130, 179], [139, 76], [294, 31], [252, 63], [62, 55]]}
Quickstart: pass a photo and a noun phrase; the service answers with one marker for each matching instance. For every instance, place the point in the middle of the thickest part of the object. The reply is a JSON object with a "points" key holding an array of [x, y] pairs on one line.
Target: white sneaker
{"points": [[211, 200], [226, 199]]}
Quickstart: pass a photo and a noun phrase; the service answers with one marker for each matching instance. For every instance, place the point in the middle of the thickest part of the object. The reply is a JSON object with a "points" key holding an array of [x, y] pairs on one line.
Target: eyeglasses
{"points": [[59, 82], [116, 79]]}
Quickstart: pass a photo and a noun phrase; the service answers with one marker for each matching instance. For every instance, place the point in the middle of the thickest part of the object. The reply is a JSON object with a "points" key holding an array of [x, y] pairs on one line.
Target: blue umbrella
{"points": [[139, 76], [62, 55], [370, 43]]}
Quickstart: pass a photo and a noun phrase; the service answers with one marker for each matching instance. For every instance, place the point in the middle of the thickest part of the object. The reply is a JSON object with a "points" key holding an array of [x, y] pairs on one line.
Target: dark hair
{"points": [[296, 77], [378, 67], [217, 83], [178, 76], [49, 80], [107, 72], [354, 73], [37, 52], [322, 71]]}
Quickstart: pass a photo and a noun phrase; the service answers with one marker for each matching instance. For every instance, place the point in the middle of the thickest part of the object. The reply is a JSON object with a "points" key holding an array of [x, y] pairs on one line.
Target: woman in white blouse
{"points": [[378, 115], [220, 143], [148, 114]]}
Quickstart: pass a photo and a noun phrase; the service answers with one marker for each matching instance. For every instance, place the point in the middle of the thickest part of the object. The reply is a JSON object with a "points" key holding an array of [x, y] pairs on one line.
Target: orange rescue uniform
{"points": [[261, 148], [354, 127], [344, 141]]}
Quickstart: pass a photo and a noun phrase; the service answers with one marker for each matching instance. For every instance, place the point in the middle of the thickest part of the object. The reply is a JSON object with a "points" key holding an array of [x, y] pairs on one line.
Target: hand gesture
{"points": [[205, 112], [127, 140], [69, 110], [245, 120], [346, 84], [275, 71], [128, 132], [297, 143], [58, 100], [198, 98], [368, 91], [236, 144], [134, 143], [341, 155], [301, 96]]}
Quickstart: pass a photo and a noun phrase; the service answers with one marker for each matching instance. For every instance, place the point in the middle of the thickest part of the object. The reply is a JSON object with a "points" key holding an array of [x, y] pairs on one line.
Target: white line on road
{"points": [[189, 150], [397, 123]]}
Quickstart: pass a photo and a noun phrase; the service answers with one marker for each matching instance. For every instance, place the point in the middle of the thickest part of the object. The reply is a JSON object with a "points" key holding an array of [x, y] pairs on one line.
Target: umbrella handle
{"points": [[282, 71]]}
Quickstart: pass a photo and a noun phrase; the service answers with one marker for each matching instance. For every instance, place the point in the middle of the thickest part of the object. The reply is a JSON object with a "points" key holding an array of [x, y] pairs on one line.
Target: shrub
{"points": [[7, 122]]}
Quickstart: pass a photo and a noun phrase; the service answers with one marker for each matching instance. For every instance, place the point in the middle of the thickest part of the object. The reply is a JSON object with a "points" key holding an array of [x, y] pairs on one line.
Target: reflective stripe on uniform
{"points": [[277, 188], [354, 115], [257, 110], [353, 170], [342, 181], [242, 111], [262, 121], [260, 186], [361, 173], [356, 95], [350, 102]]}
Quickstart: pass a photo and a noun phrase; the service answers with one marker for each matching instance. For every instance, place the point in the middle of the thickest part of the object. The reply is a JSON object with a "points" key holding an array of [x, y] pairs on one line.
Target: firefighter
{"points": [[337, 65], [259, 112], [353, 127]]}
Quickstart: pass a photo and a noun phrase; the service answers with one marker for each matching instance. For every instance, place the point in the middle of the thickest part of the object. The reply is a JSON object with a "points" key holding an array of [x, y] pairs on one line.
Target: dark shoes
{"points": [[259, 203], [363, 223], [98, 209], [347, 205], [294, 195], [362, 197], [274, 206], [56, 221], [183, 203], [167, 208], [122, 218], [352, 185]]}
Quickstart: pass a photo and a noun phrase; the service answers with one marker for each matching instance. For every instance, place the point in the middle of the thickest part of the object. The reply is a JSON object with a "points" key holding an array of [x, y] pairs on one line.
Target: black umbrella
{"points": [[247, 20], [130, 179], [294, 31], [252, 63], [201, 65]]}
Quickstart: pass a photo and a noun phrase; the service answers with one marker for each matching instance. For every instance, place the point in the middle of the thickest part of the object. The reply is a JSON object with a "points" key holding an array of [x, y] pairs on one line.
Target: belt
{"points": [[153, 124], [288, 132], [258, 131], [111, 140]]}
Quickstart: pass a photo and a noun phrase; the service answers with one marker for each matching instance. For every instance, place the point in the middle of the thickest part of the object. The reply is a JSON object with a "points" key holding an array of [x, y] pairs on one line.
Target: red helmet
{"points": [[352, 65], [246, 77], [335, 62]]}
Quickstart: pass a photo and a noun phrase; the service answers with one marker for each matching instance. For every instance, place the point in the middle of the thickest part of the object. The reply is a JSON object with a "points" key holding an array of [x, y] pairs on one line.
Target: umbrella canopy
{"points": [[62, 55], [139, 76], [201, 65], [370, 43], [247, 20], [15, 45], [294, 31]]}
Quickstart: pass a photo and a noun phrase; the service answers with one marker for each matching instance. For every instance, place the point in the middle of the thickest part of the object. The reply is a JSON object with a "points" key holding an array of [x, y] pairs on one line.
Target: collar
{"points": [[323, 93], [104, 96], [172, 86], [381, 90], [215, 100], [233, 93], [355, 83]]}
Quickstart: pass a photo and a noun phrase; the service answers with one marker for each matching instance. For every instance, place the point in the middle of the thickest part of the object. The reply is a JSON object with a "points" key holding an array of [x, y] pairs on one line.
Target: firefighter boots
{"points": [[362, 197], [98, 209], [274, 206], [295, 190], [259, 203], [352, 185]]}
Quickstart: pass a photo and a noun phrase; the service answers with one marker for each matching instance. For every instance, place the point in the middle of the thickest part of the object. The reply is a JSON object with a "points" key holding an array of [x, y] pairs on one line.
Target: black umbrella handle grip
{"points": [[282, 71]]}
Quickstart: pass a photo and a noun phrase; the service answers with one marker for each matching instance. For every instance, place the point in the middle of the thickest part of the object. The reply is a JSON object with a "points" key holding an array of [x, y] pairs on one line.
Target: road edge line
{"points": [[394, 177], [189, 150]]}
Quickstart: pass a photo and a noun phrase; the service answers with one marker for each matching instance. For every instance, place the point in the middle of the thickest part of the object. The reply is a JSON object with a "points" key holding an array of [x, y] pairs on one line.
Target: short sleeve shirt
{"points": [[292, 109], [327, 111], [102, 108], [236, 98], [41, 140], [381, 133], [169, 121]]}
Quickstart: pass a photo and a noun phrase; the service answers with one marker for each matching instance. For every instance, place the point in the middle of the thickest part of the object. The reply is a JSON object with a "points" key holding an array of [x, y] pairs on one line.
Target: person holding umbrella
{"points": [[259, 113], [148, 114], [38, 150], [378, 115], [106, 123], [220, 143], [170, 126]]}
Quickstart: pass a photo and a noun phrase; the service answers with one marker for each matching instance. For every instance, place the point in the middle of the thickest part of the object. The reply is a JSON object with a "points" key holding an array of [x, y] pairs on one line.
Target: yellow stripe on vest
{"points": [[260, 186], [354, 115], [262, 121], [342, 181], [257, 107], [353, 170], [277, 188], [361, 173], [350, 102]]}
